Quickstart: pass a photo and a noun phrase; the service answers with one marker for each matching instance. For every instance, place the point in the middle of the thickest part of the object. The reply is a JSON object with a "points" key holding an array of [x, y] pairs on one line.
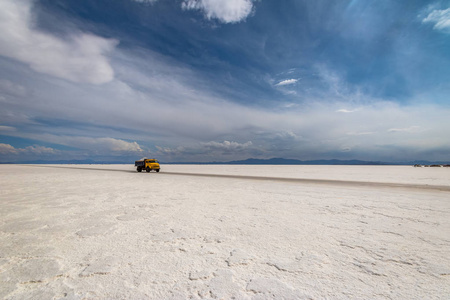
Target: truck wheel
{"points": [[148, 169], [139, 169], [157, 170]]}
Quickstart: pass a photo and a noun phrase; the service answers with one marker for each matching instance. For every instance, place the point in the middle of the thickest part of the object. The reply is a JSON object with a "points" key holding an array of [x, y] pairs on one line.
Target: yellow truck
{"points": [[147, 165]]}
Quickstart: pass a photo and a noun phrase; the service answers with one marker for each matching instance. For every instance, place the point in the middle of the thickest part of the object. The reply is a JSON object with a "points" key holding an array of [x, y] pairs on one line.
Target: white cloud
{"points": [[440, 18], [287, 82], [112, 144], [145, 1], [7, 149], [289, 135], [104, 145], [173, 108], [360, 133], [80, 58], [227, 145], [38, 150], [170, 151], [411, 129], [95, 145], [343, 110], [226, 11]]}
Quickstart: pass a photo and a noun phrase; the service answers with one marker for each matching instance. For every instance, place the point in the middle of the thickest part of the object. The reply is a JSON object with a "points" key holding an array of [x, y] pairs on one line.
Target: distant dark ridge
{"points": [[284, 161], [250, 161]]}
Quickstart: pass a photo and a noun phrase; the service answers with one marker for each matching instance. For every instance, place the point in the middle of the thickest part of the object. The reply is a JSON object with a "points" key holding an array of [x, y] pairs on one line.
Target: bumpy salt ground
{"points": [[108, 232]]}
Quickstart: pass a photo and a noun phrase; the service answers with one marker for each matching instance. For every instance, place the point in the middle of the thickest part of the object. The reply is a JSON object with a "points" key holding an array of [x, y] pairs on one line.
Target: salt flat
{"points": [[108, 232]]}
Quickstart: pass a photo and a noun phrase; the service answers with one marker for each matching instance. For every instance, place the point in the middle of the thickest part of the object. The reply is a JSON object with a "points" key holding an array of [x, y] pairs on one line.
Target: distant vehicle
{"points": [[147, 165]]}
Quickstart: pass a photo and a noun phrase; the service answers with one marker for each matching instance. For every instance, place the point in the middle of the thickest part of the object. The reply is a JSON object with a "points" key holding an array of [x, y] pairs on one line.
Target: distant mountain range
{"points": [[285, 161], [250, 161]]}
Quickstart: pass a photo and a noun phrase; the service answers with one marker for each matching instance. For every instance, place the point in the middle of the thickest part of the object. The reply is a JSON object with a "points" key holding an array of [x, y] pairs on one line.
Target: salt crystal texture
{"points": [[223, 232]]}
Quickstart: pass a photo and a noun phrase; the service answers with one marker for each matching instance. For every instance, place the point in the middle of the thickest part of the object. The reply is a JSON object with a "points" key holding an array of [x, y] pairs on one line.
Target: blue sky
{"points": [[220, 80]]}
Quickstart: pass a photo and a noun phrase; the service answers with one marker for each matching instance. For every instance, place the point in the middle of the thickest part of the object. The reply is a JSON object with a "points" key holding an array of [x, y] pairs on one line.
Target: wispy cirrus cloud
{"points": [[411, 129], [343, 110], [226, 11], [287, 82], [145, 1], [440, 19]]}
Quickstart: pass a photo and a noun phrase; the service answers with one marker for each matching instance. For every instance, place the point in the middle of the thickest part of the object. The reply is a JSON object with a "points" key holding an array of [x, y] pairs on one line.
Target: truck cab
{"points": [[147, 165]]}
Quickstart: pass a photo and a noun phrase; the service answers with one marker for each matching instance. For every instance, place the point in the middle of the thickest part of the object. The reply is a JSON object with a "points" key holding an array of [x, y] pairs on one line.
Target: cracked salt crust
{"points": [[77, 232]]}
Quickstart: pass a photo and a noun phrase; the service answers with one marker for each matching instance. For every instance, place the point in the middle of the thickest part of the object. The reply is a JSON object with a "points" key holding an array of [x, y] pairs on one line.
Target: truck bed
{"points": [[139, 163]]}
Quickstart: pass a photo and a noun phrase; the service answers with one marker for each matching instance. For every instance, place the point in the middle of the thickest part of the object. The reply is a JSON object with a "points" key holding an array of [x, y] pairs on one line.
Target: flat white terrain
{"points": [[304, 232]]}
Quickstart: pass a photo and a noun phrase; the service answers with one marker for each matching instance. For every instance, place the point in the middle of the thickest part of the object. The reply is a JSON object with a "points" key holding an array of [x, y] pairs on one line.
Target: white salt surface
{"points": [[108, 232]]}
